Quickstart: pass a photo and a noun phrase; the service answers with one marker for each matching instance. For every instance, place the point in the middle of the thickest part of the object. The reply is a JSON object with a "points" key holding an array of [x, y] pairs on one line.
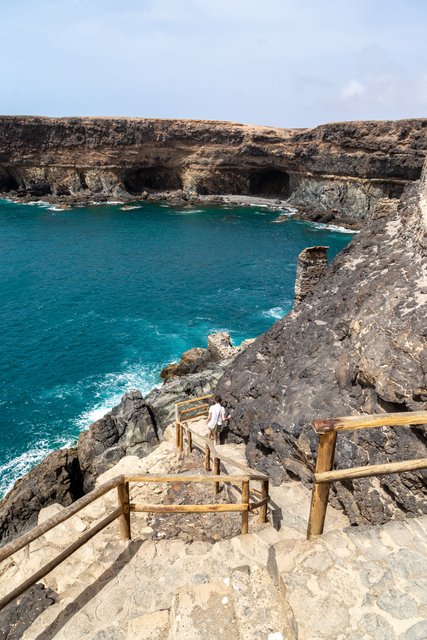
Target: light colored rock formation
{"points": [[343, 168], [218, 355]]}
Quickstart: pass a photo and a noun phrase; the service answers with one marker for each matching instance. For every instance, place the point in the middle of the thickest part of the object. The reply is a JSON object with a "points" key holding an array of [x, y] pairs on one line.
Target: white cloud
{"points": [[279, 62], [352, 89]]}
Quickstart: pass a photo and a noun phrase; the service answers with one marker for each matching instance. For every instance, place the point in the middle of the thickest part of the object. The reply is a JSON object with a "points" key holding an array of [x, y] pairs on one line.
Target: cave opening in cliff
{"points": [[269, 182], [136, 181], [8, 180]]}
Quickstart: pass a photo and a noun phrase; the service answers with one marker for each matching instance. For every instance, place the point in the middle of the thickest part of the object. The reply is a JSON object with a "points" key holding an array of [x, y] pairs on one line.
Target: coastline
{"points": [[284, 207]]}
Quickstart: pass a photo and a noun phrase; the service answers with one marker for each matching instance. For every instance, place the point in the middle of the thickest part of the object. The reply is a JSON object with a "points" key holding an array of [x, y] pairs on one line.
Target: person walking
{"points": [[216, 419]]}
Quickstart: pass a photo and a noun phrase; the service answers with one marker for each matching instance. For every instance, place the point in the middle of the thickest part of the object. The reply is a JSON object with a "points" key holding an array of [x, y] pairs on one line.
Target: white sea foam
{"points": [[130, 207], [187, 212], [274, 312], [111, 387], [108, 392], [286, 212], [56, 208], [37, 203], [332, 227], [15, 468]]}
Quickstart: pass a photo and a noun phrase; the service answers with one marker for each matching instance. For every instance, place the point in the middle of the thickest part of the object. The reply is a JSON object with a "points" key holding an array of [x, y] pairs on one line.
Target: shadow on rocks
{"points": [[90, 592]]}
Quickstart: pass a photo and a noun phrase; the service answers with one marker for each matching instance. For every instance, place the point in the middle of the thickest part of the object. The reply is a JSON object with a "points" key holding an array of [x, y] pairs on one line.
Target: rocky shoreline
{"points": [[337, 171], [284, 208], [355, 344], [133, 427]]}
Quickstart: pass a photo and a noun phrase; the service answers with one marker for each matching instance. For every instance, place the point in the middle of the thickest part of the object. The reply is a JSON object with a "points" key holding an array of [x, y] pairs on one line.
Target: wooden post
{"points": [[207, 458], [263, 508], [181, 438], [176, 426], [245, 500], [320, 492], [124, 519], [190, 441], [216, 471]]}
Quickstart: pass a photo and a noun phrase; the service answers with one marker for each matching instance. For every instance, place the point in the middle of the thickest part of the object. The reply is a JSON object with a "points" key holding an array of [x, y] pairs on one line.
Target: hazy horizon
{"points": [[290, 65]]}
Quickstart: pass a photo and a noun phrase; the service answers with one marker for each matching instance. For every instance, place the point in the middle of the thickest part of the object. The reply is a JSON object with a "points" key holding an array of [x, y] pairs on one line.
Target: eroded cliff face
{"points": [[344, 168], [356, 344]]}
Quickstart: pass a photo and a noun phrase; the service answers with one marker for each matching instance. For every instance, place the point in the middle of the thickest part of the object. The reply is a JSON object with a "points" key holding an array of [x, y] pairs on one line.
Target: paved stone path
{"points": [[349, 584]]}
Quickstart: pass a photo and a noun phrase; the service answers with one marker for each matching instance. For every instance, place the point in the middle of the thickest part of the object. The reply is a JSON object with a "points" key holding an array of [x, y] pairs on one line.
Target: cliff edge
{"points": [[355, 344], [340, 168]]}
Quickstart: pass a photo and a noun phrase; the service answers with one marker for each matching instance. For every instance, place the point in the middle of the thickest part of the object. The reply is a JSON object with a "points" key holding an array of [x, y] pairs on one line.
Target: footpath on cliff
{"points": [[192, 577]]}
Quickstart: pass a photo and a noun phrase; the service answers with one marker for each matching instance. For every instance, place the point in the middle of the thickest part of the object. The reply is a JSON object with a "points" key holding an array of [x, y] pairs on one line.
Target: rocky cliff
{"points": [[342, 168], [355, 344]]}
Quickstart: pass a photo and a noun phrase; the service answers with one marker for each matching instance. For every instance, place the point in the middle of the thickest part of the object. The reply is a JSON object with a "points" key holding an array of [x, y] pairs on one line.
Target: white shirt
{"points": [[216, 415]]}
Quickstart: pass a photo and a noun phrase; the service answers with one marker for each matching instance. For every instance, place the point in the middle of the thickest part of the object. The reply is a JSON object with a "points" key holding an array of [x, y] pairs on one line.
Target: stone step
{"points": [[203, 611], [362, 582], [259, 608]]}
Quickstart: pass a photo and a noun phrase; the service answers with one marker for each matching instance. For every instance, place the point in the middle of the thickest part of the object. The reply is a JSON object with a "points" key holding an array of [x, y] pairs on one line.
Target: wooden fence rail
{"points": [[323, 476], [125, 507], [188, 410]]}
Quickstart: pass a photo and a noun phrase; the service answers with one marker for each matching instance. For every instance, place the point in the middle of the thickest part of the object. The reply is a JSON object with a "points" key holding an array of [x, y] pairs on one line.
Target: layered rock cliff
{"points": [[356, 344], [343, 168]]}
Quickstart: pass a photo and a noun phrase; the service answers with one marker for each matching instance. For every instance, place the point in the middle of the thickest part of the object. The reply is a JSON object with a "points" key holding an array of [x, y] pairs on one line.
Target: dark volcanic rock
{"points": [[21, 613], [312, 266], [356, 344], [134, 427], [128, 429], [57, 478]]}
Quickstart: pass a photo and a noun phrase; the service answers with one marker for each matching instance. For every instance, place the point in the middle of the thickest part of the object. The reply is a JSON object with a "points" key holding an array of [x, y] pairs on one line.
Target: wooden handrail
{"points": [[187, 508], [374, 470], [179, 404], [185, 478], [125, 507], [183, 417], [349, 423], [198, 408], [323, 475], [253, 474], [52, 522], [41, 573]]}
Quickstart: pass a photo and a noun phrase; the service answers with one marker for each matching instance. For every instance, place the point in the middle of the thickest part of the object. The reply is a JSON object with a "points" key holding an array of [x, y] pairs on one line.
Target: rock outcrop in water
{"points": [[356, 344], [342, 168], [57, 478]]}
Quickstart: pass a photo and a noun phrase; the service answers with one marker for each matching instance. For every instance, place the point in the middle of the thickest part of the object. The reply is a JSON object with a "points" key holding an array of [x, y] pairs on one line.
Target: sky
{"points": [[283, 63]]}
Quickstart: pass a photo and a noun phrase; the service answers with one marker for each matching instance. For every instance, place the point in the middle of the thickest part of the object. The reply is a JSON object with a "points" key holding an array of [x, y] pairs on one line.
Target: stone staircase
{"points": [[350, 584], [357, 583]]}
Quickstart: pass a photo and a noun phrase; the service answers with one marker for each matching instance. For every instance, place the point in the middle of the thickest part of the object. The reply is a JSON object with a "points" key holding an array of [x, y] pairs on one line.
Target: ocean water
{"points": [[97, 300]]}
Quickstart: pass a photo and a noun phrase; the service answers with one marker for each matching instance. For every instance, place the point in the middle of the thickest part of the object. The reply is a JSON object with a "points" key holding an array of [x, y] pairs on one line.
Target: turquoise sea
{"points": [[97, 300]]}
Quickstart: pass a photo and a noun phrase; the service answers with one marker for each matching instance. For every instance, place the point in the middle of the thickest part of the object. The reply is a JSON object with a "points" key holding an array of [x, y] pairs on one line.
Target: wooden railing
{"points": [[195, 409], [323, 476], [126, 507]]}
